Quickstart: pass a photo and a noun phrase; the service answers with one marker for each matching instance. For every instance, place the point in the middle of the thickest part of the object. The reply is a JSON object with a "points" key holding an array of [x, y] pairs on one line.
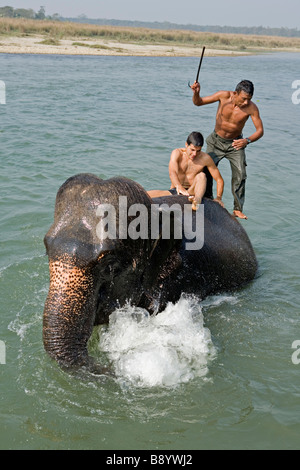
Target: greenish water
{"points": [[212, 375]]}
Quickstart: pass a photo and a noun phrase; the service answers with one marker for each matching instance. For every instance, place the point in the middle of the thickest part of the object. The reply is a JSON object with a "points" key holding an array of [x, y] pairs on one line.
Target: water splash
{"points": [[170, 348]]}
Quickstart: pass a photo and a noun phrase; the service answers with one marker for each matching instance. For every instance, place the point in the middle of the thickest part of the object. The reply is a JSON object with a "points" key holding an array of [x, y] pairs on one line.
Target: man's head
{"points": [[194, 144], [195, 138], [243, 93]]}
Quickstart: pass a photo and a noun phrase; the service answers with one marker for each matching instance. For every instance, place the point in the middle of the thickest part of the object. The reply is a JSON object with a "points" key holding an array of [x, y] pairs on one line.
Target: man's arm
{"points": [[218, 179], [198, 101], [174, 171], [256, 119], [259, 130]]}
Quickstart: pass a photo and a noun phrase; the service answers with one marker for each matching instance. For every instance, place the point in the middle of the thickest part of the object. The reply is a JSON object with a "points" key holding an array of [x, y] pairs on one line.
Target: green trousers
{"points": [[218, 148]]}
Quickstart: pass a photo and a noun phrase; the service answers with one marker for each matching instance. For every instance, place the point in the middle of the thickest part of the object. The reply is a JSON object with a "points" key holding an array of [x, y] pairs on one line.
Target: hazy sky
{"points": [[272, 13]]}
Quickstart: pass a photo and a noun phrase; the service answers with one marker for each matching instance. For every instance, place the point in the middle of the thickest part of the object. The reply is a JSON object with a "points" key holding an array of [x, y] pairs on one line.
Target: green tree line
{"points": [[10, 12]]}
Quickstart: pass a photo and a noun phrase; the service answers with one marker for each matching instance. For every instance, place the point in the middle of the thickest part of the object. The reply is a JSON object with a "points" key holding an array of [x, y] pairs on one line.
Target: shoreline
{"points": [[40, 44]]}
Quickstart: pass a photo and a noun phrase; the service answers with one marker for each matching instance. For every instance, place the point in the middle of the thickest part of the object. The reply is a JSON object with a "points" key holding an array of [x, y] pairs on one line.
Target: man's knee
{"points": [[238, 164], [201, 178], [239, 175]]}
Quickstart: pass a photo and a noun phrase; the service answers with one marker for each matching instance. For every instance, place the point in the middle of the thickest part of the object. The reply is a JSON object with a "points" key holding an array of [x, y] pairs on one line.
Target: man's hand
{"points": [[181, 190], [196, 87], [239, 144]]}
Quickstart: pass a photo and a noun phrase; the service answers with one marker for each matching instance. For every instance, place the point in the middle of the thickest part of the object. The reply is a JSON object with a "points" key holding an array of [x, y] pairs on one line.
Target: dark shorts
{"points": [[173, 191]]}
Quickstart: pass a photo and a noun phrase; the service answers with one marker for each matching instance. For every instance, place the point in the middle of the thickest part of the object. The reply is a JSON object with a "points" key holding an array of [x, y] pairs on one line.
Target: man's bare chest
{"points": [[190, 168], [232, 114]]}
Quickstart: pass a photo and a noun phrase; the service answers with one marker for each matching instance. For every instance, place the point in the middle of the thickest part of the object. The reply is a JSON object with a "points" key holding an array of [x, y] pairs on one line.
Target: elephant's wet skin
{"points": [[71, 298], [90, 277]]}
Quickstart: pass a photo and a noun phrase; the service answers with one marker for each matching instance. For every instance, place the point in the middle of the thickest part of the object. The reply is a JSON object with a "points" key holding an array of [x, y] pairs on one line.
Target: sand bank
{"points": [[83, 46]]}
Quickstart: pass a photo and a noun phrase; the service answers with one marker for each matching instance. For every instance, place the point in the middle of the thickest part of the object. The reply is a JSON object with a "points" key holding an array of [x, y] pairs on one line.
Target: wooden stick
{"points": [[197, 77]]}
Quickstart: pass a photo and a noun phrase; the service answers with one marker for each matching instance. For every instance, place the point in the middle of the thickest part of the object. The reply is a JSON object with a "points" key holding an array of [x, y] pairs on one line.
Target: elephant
{"points": [[93, 273]]}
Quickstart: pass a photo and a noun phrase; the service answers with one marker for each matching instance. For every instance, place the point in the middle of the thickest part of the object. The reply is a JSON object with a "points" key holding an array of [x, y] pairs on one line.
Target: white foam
{"points": [[163, 350], [217, 300]]}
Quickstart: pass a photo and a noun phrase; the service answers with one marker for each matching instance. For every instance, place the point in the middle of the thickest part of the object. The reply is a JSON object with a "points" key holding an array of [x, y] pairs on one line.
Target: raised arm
{"points": [[198, 101]]}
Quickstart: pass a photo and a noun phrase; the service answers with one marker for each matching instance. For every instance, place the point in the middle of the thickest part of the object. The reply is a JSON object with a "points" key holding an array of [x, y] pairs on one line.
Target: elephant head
{"points": [[90, 275]]}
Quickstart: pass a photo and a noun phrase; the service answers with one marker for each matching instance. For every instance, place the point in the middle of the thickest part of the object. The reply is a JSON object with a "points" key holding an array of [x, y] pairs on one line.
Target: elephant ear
{"points": [[166, 236]]}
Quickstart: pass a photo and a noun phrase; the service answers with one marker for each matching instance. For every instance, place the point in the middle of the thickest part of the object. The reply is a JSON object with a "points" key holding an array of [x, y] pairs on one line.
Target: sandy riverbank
{"points": [[86, 46], [24, 36]]}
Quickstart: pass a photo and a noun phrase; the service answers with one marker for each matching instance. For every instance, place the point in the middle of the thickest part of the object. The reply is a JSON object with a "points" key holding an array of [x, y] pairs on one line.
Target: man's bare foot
{"points": [[219, 201], [195, 203], [240, 215]]}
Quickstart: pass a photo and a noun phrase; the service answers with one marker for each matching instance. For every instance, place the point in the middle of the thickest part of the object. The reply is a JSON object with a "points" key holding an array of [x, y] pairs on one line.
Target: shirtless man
{"points": [[186, 172], [227, 140]]}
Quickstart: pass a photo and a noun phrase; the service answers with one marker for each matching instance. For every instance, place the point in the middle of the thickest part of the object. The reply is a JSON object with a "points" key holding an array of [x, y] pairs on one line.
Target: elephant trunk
{"points": [[69, 313]]}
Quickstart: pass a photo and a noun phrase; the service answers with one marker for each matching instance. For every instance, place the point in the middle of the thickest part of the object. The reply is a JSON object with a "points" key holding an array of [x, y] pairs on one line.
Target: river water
{"points": [[218, 374]]}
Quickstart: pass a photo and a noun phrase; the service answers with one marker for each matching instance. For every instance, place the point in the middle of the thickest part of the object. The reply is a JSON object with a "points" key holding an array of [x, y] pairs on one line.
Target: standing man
{"points": [[227, 140]]}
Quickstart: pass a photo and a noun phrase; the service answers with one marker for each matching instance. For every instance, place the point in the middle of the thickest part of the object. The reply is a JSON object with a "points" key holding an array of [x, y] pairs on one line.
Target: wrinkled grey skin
{"points": [[90, 277]]}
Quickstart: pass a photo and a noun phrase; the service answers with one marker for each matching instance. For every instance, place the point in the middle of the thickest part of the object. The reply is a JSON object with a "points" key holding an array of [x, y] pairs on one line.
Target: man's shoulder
{"points": [[252, 107], [224, 94], [177, 153], [205, 158], [205, 155]]}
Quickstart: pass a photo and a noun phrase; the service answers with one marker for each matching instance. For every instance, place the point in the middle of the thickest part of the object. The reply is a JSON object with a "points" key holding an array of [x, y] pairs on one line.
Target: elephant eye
{"points": [[114, 263], [102, 255]]}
